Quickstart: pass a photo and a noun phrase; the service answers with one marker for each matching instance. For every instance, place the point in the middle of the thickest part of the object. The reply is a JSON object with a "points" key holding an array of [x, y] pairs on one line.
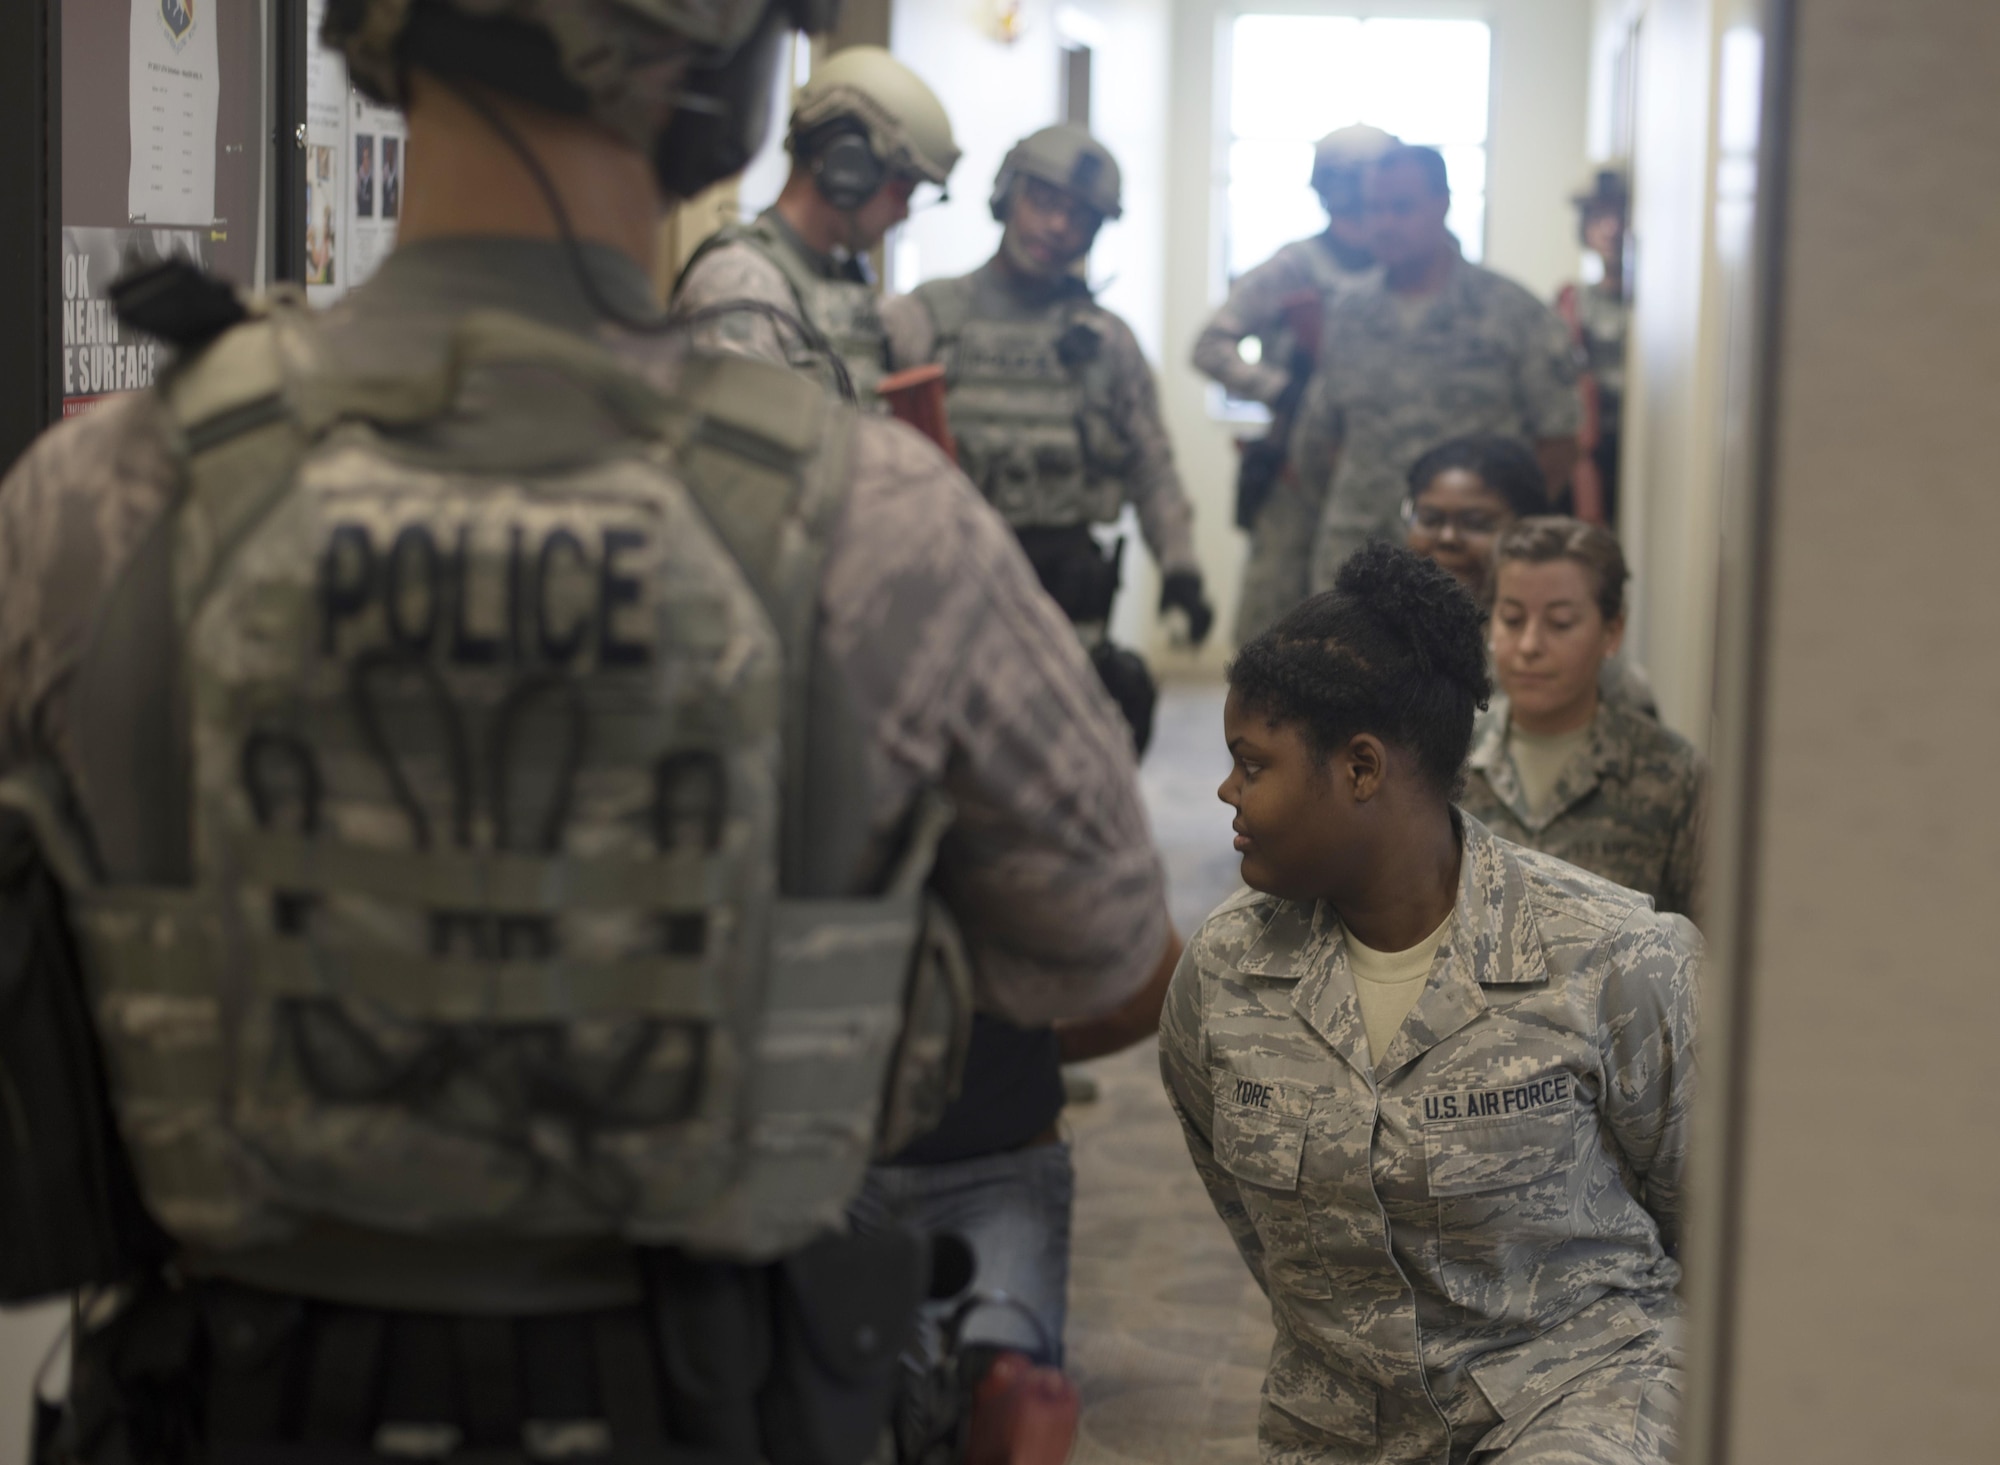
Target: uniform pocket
{"points": [[1307, 1407], [1261, 1141], [1502, 1190]]}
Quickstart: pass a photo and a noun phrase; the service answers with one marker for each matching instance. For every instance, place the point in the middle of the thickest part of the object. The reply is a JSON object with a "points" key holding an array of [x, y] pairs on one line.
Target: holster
{"points": [[70, 1213], [1078, 575], [1258, 468]]}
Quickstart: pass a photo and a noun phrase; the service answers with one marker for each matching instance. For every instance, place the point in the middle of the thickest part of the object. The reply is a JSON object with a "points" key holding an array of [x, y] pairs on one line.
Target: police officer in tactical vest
{"points": [[488, 767], [794, 285], [1052, 405]]}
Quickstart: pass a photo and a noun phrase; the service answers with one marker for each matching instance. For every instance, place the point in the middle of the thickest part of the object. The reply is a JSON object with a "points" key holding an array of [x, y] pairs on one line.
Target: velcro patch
{"points": [[1548, 1091]]}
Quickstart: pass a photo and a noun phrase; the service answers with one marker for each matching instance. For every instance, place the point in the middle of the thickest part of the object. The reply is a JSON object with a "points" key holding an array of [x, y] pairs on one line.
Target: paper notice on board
{"points": [[175, 89], [326, 166], [377, 153]]}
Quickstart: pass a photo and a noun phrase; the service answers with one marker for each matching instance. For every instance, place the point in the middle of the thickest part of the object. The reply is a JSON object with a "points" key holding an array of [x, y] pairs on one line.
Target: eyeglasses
{"points": [[1049, 199], [1470, 523]]}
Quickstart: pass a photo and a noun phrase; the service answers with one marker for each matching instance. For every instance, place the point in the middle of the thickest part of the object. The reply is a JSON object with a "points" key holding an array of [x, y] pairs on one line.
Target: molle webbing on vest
{"points": [[1028, 405], [840, 315], [497, 915]]}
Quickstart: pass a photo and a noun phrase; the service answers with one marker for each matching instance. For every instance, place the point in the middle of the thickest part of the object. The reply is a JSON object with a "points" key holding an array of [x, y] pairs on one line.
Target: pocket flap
{"points": [[1518, 1381], [1260, 1138], [1497, 1154]]}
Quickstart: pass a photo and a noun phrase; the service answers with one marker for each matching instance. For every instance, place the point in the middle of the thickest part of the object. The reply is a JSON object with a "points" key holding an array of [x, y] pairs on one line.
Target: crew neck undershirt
{"points": [[1539, 760], [1389, 984]]}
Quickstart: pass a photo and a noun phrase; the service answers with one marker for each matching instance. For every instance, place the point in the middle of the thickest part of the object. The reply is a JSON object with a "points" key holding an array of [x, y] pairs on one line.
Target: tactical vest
{"points": [[1030, 405], [842, 313], [488, 755]]}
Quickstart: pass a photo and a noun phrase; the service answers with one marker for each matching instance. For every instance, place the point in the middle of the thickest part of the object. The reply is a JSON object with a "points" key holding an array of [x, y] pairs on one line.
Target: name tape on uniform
{"points": [[1539, 1093]]}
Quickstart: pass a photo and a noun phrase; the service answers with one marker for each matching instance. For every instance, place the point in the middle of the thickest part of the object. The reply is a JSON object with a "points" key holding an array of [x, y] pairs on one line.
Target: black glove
{"points": [[1183, 588]]}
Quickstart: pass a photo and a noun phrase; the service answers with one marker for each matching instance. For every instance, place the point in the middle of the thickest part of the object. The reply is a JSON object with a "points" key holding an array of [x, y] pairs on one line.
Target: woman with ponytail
{"points": [[1438, 1086]]}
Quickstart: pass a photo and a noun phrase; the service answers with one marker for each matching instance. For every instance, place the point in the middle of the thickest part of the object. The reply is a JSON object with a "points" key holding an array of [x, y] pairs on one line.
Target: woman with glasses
{"points": [[1464, 494], [1558, 767], [1438, 1086]]}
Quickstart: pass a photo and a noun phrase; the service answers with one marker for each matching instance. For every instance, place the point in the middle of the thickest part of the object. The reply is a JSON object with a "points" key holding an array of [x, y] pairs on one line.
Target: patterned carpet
{"points": [[1167, 1333]]}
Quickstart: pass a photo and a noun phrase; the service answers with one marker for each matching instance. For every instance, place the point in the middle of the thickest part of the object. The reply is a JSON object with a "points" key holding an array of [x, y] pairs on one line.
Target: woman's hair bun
{"points": [[1421, 605]]}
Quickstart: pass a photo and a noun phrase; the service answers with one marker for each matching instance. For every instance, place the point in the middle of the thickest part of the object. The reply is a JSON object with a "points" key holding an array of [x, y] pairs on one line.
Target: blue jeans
{"points": [[1013, 1210]]}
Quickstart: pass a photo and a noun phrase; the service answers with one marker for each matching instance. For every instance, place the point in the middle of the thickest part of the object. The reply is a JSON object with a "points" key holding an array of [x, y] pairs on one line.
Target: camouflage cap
{"points": [[1604, 186], [1348, 150], [1068, 157], [907, 125], [629, 59]]}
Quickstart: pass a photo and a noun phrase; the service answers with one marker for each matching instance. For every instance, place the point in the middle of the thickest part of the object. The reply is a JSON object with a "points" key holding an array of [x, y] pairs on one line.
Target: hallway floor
{"points": [[1167, 1334]]}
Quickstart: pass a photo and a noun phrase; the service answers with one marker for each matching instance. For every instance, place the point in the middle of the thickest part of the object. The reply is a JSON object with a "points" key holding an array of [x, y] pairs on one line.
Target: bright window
{"points": [[1295, 78]]}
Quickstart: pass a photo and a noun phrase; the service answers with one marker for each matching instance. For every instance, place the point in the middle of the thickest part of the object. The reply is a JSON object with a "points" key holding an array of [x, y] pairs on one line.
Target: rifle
{"points": [[1263, 460]]}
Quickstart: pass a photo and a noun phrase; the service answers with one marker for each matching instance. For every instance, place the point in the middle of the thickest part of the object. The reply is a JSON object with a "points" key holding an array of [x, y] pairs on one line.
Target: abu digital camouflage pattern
{"points": [[1277, 569], [1482, 356], [1469, 1237], [1629, 805], [765, 263], [1052, 404], [1604, 319], [398, 880], [1256, 307]]}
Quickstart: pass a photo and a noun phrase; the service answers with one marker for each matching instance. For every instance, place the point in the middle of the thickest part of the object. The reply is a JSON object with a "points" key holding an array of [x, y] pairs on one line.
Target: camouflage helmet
{"points": [[1343, 153], [908, 130], [686, 81], [1068, 157]]}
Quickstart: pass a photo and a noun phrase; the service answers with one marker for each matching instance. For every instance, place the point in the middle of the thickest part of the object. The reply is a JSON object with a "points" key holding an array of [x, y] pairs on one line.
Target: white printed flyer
{"points": [[175, 89]]}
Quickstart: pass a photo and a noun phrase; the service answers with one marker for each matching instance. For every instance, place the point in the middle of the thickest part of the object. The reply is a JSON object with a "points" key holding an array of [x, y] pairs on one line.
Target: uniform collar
{"points": [[1459, 296], [1494, 941], [851, 268], [1033, 295], [1597, 758], [531, 277]]}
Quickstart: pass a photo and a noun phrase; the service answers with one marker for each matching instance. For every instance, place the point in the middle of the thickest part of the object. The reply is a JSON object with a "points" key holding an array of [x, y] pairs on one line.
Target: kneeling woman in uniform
{"points": [[1558, 766], [1438, 1086]]}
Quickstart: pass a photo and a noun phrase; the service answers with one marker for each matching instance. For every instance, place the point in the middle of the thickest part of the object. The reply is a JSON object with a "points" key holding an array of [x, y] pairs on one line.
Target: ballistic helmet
{"points": [[866, 94], [686, 81], [1340, 157], [1069, 158]]}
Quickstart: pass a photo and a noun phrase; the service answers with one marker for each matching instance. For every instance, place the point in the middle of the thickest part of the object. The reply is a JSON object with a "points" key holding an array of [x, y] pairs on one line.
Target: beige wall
{"points": [[1862, 1328]]}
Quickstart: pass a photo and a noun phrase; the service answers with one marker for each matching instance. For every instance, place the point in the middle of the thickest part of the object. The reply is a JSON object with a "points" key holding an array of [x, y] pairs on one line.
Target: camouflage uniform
{"points": [[1485, 356], [1274, 574], [766, 263], [1628, 807], [1469, 1244], [1117, 386], [1604, 318], [957, 669]]}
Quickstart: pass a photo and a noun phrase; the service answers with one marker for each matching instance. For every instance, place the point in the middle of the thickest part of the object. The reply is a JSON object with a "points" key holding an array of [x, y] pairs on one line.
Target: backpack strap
{"points": [[949, 305], [768, 461], [235, 441]]}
